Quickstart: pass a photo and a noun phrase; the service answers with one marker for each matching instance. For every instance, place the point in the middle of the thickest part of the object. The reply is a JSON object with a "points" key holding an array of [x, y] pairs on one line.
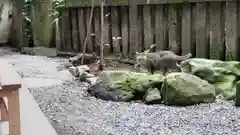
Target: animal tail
{"points": [[184, 57]]}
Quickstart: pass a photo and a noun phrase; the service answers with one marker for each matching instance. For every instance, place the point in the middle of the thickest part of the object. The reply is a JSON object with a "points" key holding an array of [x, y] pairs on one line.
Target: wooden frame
{"points": [[10, 83]]}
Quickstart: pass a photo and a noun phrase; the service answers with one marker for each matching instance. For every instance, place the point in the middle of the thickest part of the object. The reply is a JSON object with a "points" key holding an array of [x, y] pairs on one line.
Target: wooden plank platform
{"points": [[33, 121]]}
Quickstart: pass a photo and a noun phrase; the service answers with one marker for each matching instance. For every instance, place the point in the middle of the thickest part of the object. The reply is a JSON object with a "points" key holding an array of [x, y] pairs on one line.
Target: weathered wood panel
{"points": [[140, 29], [193, 29], [196, 27], [216, 35], [97, 26], [81, 27], [116, 33], [186, 29], [148, 39], [62, 34], [106, 29], [74, 30], [134, 47], [201, 33], [161, 28], [231, 30], [67, 30], [173, 34], [125, 33], [89, 24]]}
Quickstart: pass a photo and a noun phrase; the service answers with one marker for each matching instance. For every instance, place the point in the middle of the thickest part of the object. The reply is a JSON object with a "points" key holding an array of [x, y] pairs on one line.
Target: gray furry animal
{"points": [[161, 60]]}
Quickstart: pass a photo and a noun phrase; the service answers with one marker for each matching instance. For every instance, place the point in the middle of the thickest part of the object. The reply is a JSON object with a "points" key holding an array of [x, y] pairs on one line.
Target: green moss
{"points": [[132, 81]]}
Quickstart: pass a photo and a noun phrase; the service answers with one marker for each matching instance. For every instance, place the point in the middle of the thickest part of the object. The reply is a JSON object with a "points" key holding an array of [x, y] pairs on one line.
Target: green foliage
{"points": [[57, 9], [27, 19]]}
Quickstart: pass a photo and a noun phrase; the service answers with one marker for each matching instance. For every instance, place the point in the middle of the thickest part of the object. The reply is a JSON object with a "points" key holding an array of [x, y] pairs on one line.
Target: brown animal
{"points": [[162, 60]]}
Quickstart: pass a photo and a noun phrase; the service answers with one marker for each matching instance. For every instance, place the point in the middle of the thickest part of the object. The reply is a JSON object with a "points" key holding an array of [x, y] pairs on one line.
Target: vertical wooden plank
{"points": [[193, 29], [174, 35], [125, 33], [62, 33], [115, 17], [81, 27], [14, 113], [134, 47], [57, 35], [65, 23], [186, 28], [216, 35], [231, 30], [140, 29], [74, 29], [148, 39], [238, 36], [97, 29], [107, 36], [208, 29], [161, 30], [89, 40], [153, 21], [68, 30], [201, 38]]}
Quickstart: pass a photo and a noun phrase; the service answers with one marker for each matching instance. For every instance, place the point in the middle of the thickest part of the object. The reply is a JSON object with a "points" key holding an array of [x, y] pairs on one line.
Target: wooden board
{"points": [[107, 34], [201, 26], [174, 35], [116, 33], [89, 25], [134, 47], [74, 30], [97, 26], [9, 79], [81, 27], [125, 34], [186, 29], [216, 35], [62, 34], [65, 29], [68, 35], [231, 31], [148, 38], [193, 29], [140, 29]]}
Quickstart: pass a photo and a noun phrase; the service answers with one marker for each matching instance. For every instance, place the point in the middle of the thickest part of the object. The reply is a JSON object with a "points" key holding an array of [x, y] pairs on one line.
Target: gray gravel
{"points": [[73, 112]]}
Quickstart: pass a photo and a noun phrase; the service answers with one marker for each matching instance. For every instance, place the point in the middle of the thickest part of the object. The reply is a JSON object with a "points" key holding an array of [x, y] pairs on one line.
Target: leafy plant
{"points": [[56, 11], [58, 7]]}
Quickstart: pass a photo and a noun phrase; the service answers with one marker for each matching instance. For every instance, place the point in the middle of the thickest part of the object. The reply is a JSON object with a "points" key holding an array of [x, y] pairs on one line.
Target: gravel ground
{"points": [[73, 112]]}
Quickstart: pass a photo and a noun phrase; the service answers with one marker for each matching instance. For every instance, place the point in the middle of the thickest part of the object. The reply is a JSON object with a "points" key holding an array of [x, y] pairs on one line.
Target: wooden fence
{"points": [[206, 28]]}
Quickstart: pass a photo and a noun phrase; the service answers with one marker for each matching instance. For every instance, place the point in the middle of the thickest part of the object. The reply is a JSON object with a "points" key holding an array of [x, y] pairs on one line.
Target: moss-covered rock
{"points": [[223, 75], [125, 85], [186, 89], [153, 96]]}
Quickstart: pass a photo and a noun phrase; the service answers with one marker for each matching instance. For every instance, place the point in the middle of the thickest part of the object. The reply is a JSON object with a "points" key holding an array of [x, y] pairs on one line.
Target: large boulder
{"points": [[186, 89], [223, 75], [127, 86]]}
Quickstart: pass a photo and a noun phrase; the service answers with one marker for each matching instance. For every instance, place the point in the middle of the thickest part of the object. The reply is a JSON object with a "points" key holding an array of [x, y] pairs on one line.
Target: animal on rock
{"points": [[165, 61]]}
